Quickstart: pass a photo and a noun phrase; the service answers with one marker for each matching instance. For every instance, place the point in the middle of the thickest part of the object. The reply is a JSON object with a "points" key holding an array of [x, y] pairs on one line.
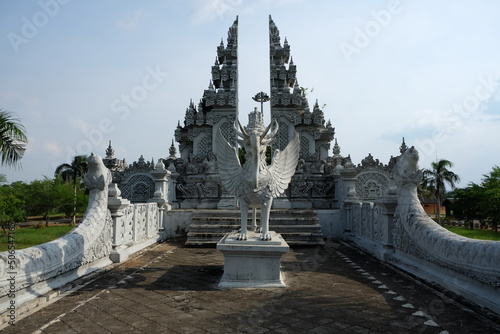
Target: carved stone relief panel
{"points": [[366, 220], [152, 223], [208, 190], [188, 190], [322, 189], [128, 234], [356, 218], [371, 184], [378, 229], [300, 189], [205, 145], [304, 146], [138, 188], [282, 135], [140, 221]]}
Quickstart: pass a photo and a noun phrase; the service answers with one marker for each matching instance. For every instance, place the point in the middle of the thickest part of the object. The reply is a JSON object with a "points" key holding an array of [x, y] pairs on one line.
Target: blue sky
{"points": [[425, 70]]}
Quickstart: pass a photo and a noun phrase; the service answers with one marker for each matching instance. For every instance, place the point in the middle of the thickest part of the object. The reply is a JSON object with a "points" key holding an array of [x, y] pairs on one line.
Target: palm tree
{"points": [[435, 179], [12, 139], [73, 173]]}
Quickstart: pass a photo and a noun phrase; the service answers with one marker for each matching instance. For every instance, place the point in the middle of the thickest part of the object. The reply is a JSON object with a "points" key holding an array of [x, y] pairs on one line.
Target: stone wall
{"points": [[83, 250], [112, 229], [397, 230]]}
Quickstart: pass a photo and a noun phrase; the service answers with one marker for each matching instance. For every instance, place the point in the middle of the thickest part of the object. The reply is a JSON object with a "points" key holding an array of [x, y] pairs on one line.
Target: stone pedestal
{"points": [[252, 263]]}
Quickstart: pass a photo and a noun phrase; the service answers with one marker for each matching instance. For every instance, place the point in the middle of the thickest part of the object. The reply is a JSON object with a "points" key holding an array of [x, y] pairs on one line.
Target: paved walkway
{"points": [[331, 289]]}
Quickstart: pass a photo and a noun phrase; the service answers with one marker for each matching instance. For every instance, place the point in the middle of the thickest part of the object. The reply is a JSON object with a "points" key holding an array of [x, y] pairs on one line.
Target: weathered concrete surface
{"points": [[330, 289]]}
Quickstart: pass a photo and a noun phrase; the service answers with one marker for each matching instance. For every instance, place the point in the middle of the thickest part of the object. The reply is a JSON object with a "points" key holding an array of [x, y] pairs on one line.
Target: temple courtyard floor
{"points": [[335, 288]]}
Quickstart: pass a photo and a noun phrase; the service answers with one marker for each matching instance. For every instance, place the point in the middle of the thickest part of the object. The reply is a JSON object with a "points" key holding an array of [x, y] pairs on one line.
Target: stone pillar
{"points": [[172, 187], [347, 217], [389, 204], [116, 206], [161, 177]]}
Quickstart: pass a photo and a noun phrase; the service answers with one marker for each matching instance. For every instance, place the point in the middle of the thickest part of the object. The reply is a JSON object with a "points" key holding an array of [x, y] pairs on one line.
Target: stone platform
{"points": [[170, 288], [252, 263]]}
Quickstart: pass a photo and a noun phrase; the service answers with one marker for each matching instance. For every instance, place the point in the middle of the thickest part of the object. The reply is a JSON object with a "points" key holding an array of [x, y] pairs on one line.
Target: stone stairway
{"points": [[298, 227]]}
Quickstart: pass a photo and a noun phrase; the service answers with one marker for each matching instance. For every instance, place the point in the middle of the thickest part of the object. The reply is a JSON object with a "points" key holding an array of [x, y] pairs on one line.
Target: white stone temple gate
{"points": [[371, 204]]}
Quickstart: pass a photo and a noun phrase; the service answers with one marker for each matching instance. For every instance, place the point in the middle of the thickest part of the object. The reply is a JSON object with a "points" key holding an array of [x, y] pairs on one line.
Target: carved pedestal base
{"points": [[252, 263]]}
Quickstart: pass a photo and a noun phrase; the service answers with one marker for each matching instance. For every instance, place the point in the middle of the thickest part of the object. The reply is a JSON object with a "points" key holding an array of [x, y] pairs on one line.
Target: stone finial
{"points": [[403, 147], [109, 151], [348, 163], [172, 151], [141, 160], [160, 165], [171, 167], [336, 148], [114, 191]]}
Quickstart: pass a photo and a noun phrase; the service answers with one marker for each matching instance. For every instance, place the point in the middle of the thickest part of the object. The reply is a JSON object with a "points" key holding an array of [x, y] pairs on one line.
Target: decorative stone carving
{"points": [[256, 184], [371, 184], [188, 190], [88, 242], [417, 234], [321, 189], [208, 190], [172, 151], [138, 188], [300, 189]]}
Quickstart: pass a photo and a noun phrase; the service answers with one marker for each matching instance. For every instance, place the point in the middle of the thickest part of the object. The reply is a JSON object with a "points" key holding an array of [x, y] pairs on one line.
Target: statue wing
{"points": [[230, 170], [283, 166]]}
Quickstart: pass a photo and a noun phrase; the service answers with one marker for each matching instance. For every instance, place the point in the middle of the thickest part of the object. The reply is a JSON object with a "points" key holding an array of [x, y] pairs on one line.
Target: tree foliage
{"points": [[11, 208], [436, 178], [467, 204], [44, 198], [12, 139], [480, 201], [73, 173]]}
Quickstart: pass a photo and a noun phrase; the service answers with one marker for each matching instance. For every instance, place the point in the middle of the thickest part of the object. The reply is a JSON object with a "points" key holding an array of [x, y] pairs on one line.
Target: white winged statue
{"points": [[255, 183]]}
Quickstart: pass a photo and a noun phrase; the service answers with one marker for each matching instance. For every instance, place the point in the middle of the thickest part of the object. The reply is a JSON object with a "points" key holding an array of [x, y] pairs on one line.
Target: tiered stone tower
{"points": [[289, 106], [198, 184], [217, 107]]}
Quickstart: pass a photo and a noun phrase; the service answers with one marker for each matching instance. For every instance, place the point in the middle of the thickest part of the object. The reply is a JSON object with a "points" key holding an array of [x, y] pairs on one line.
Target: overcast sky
{"points": [[81, 73]]}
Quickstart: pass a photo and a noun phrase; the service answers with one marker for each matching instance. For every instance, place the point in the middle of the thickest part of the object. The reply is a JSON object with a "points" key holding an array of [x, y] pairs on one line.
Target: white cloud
{"points": [[209, 10], [52, 147], [131, 21], [14, 97], [80, 124]]}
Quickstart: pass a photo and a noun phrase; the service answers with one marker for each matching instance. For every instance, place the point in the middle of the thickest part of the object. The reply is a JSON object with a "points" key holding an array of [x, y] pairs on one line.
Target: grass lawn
{"points": [[29, 236], [474, 234]]}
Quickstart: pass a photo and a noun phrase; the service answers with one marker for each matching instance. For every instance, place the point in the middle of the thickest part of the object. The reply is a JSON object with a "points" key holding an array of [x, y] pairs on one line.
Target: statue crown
{"points": [[255, 121]]}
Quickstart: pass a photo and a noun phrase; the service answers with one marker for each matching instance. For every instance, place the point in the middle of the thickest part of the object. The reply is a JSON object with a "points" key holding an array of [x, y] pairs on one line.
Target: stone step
{"points": [[293, 239], [298, 227], [236, 213], [273, 220], [228, 228]]}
